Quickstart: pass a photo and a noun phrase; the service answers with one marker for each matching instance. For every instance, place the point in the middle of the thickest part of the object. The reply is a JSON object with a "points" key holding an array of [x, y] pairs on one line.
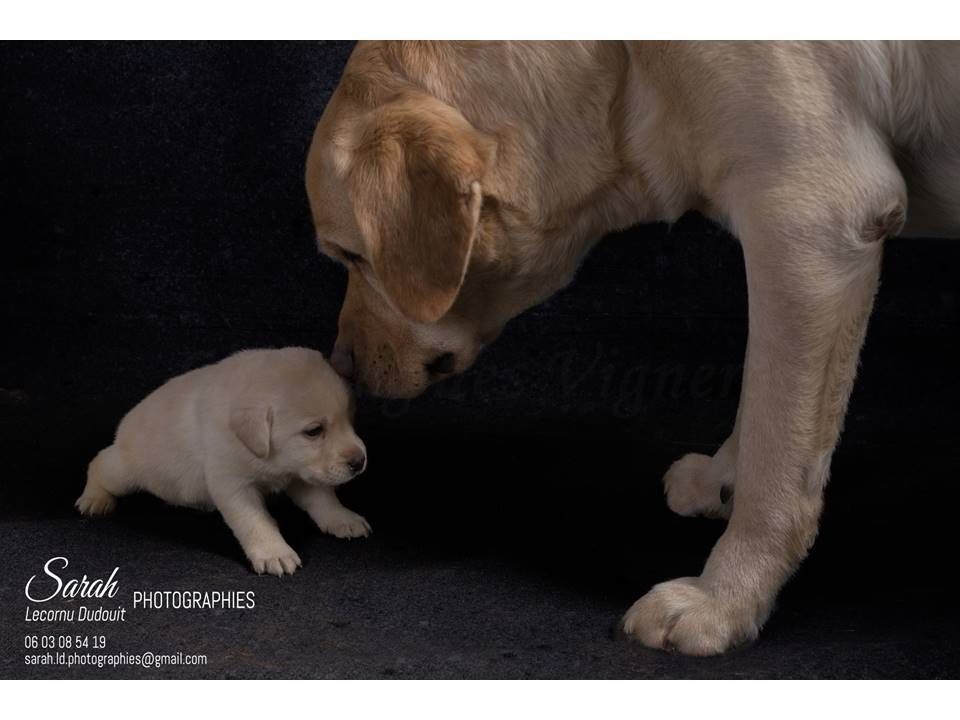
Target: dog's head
{"points": [[296, 416], [447, 231]]}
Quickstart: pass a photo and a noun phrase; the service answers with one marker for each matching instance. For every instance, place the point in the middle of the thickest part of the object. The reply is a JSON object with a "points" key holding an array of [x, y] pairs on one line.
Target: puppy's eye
{"points": [[352, 257], [314, 431]]}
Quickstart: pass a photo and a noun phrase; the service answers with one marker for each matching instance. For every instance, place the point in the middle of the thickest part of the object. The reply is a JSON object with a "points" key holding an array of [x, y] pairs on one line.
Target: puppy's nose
{"points": [[442, 364], [356, 460], [342, 361]]}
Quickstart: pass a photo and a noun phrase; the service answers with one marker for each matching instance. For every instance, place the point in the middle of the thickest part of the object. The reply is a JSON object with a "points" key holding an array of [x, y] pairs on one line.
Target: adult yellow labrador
{"points": [[461, 183]]}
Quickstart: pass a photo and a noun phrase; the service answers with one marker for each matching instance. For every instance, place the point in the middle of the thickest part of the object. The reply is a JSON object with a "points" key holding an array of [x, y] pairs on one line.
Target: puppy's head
{"points": [[298, 420]]}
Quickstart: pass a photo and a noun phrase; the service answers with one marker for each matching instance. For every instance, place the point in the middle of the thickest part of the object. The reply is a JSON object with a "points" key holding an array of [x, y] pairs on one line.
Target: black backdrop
{"points": [[154, 219]]}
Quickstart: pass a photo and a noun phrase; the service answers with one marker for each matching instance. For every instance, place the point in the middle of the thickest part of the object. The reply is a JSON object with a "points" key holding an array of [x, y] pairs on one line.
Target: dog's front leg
{"points": [[810, 295], [322, 504], [245, 512]]}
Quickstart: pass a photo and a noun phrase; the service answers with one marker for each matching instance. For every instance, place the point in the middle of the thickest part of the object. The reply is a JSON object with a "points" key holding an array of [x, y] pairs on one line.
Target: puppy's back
{"points": [[161, 440]]}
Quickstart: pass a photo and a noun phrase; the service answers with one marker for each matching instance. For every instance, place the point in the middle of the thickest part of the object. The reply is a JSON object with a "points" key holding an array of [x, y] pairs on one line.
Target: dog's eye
{"points": [[314, 431], [352, 257]]}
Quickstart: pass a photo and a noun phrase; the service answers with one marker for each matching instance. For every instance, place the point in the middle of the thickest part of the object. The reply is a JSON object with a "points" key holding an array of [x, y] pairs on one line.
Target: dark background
{"points": [[154, 219]]}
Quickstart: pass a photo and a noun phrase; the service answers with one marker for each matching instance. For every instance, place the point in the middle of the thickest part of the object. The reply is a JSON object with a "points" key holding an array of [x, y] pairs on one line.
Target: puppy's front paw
{"points": [[279, 561], [693, 487], [681, 615], [95, 501], [343, 523]]}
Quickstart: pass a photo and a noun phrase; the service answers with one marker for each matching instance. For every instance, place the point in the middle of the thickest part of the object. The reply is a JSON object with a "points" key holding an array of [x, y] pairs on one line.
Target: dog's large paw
{"points": [[343, 523], [274, 560], [694, 486], [680, 615]]}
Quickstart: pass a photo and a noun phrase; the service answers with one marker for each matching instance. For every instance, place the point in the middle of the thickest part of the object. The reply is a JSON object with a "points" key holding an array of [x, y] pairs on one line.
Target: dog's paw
{"points": [[343, 523], [680, 615], [694, 488], [95, 501], [279, 561]]}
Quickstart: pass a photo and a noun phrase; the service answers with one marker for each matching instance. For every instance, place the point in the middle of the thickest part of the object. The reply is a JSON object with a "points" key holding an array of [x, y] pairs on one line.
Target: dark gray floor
{"points": [[490, 590]]}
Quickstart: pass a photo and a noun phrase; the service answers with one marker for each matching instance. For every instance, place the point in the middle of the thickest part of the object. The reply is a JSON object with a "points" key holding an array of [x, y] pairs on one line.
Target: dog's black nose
{"points": [[356, 461], [442, 364]]}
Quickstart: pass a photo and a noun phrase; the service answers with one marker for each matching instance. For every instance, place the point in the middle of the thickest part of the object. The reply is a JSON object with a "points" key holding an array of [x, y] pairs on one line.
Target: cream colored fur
{"points": [[224, 435], [462, 183]]}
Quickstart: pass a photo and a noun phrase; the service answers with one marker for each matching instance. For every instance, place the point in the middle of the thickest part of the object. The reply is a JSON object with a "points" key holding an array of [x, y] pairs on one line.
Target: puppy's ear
{"points": [[253, 426], [415, 177]]}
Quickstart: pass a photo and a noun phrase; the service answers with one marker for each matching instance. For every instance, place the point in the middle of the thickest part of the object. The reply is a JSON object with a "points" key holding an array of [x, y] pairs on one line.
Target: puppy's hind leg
{"points": [[107, 478]]}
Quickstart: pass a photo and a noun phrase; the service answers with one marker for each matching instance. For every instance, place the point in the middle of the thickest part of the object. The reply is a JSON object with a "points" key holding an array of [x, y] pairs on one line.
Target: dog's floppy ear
{"points": [[415, 179], [253, 426]]}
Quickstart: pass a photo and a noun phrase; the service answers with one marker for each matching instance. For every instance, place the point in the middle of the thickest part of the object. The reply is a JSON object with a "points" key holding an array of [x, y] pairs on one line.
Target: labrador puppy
{"points": [[224, 435], [462, 183]]}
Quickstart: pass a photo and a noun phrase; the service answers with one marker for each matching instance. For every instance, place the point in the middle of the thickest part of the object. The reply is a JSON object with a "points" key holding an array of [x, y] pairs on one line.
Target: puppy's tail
{"points": [[104, 471]]}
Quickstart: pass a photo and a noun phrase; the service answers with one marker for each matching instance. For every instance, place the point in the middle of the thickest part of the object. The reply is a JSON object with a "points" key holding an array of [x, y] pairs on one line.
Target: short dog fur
{"points": [[224, 435], [461, 183]]}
